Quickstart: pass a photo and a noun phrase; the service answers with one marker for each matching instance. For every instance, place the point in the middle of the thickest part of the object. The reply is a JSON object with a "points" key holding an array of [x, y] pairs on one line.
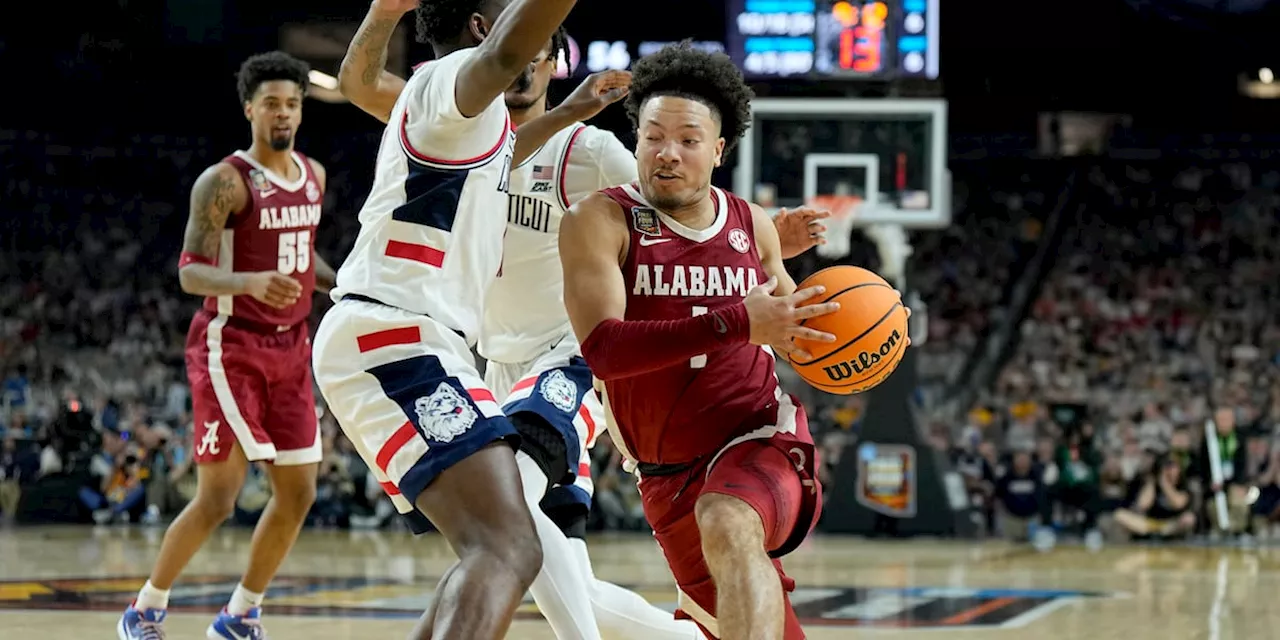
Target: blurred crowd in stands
{"points": [[1157, 313]]}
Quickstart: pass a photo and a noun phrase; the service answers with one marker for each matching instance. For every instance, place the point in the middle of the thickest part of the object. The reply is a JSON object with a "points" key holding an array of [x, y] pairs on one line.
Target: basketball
{"points": [[870, 329]]}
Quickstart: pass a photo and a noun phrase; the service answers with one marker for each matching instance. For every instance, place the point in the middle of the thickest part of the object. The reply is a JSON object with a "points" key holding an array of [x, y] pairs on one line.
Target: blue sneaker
{"points": [[141, 625], [229, 627]]}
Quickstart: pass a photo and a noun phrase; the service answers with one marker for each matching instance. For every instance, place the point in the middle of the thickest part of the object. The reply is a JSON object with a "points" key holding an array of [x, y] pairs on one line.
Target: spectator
{"points": [[172, 478], [1266, 509], [1162, 506], [334, 487], [1077, 484], [1020, 492], [12, 477]]}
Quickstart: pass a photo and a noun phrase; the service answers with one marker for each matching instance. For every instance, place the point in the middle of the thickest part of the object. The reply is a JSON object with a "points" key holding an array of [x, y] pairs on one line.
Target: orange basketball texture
{"points": [[870, 330]]}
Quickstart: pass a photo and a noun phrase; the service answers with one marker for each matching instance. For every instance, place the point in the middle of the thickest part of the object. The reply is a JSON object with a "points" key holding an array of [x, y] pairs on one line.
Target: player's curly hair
{"points": [[442, 21], [265, 67], [684, 71]]}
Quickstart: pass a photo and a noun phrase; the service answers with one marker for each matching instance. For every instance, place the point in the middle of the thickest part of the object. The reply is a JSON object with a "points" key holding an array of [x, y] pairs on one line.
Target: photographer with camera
{"points": [[1162, 506], [120, 492]]}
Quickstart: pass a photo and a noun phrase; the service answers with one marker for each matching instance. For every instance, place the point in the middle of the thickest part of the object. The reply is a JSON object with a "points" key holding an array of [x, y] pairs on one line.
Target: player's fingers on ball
{"points": [[808, 292], [815, 310], [805, 333]]}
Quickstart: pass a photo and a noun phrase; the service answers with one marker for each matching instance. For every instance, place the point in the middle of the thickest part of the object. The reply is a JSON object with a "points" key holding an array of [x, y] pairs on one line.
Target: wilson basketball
{"points": [[870, 329]]}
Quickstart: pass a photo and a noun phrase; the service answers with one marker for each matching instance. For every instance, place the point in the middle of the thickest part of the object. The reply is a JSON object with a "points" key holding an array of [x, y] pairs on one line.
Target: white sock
{"points": [[152, 598], [562, 595], [242, 600], [627, 615]]}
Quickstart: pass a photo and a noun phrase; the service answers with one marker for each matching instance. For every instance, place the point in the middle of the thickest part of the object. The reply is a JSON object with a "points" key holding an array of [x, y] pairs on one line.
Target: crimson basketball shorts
{"points": [[251, 386], [557, 387], [406, 392], [771, 468]]}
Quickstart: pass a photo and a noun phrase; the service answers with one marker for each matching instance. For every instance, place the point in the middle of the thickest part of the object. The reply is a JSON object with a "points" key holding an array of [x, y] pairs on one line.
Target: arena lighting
{"points": [[1263, 86], [322, 80], [324, 88]]}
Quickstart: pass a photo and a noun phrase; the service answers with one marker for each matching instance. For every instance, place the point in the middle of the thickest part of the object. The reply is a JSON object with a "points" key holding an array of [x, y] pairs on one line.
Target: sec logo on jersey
{"points": [[739, 241]]}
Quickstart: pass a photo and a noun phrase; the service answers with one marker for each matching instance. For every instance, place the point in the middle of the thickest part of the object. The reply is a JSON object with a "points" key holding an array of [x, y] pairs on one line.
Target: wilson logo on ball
{"points": [[864, 361]]}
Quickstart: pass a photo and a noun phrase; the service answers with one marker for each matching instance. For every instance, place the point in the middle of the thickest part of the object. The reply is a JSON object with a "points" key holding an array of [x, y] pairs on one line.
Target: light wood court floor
{"points": [[71, 583]]}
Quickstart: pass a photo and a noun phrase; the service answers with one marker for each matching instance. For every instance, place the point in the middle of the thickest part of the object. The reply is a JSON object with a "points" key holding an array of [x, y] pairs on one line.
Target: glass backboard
{"points": [[889, 154]]}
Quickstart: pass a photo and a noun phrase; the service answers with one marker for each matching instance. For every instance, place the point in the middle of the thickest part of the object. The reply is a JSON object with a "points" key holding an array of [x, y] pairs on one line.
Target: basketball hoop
{"points": [[844, 213]]}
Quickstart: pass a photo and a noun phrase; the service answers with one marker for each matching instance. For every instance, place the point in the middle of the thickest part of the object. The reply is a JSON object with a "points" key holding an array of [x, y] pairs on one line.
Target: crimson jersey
{"points": [[274, 232], [679, 413]]}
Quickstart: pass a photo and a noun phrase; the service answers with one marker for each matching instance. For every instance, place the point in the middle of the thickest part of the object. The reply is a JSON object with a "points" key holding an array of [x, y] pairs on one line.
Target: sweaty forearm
{"points": [[625, 348], [203, 279]]}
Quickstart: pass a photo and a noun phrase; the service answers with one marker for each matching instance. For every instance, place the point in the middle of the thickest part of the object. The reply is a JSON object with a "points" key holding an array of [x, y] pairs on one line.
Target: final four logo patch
{"points": [[645, 221]]}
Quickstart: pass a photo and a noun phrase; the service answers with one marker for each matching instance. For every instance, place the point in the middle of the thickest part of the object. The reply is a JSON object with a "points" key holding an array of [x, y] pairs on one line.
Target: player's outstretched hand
{"points": [[775, 320], [395, 6], [799, 230], [273, 288], [595, 93]]}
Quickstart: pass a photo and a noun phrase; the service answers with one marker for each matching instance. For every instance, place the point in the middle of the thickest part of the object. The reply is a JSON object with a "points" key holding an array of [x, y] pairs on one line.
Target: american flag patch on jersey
{"points": [[541, 172]]}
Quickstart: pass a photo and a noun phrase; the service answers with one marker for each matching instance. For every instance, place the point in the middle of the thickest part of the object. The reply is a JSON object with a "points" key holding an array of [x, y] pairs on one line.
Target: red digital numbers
{"points": [[862, 40]]}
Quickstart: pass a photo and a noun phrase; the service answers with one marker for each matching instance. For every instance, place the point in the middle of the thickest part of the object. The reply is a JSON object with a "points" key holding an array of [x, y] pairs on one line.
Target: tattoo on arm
{"points": [[372, 42], [212, 200]]}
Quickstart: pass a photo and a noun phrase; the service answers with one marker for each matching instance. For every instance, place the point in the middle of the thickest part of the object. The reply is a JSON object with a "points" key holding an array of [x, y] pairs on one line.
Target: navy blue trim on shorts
{"points": [[557, 397], [448, 420]]}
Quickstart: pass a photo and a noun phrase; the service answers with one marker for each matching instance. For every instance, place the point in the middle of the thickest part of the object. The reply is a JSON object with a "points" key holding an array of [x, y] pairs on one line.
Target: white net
{"points": [[844, 216]]}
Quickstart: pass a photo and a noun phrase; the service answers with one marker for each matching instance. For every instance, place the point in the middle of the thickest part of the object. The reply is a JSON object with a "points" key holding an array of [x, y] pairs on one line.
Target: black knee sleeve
{"points": [[542, 442], [571, 520]]}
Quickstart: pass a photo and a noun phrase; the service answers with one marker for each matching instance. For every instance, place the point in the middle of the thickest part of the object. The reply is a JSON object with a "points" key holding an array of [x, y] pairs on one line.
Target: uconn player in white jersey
{"points": [[393, 356]]}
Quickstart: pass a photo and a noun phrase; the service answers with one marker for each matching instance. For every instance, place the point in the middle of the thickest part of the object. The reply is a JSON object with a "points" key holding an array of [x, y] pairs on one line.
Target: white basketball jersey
{"points": [[431, 231], [524, 312]]}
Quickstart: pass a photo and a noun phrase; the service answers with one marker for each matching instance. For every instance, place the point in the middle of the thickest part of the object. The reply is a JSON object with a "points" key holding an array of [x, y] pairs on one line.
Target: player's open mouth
{"points": [[663, 176], [281, 131]]}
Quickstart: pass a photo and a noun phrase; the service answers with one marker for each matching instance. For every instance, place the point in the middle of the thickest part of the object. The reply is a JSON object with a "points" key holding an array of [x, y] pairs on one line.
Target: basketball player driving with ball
{"points": [[678, 294]]}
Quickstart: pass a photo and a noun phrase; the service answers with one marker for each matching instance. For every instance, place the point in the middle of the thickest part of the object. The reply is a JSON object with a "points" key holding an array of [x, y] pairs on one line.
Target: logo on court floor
{"points": [[357, 597]]}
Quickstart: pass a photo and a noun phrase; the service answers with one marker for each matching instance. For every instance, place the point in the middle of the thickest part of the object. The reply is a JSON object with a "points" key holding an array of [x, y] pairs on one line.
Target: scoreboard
{"points": [[769, 39]]}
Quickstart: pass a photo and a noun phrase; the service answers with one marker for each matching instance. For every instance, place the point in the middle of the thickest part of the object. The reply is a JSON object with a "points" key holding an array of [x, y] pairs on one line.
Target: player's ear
{"points": [[478, 26], [248, 111], [719, 151]]}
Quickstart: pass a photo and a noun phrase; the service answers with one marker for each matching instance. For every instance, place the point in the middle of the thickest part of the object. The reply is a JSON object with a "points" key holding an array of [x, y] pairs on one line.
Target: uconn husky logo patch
{"points": [[559, 391], [445, 414]]}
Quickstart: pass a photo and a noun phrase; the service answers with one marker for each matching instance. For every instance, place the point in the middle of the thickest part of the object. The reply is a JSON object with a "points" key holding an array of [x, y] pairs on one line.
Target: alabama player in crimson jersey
{"points": [[677, 291], [534, 364], [248, 251]]}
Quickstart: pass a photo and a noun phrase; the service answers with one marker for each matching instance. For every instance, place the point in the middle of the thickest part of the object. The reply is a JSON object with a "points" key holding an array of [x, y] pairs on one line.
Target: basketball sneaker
{"points": [[232, 627], [141, 625]]}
